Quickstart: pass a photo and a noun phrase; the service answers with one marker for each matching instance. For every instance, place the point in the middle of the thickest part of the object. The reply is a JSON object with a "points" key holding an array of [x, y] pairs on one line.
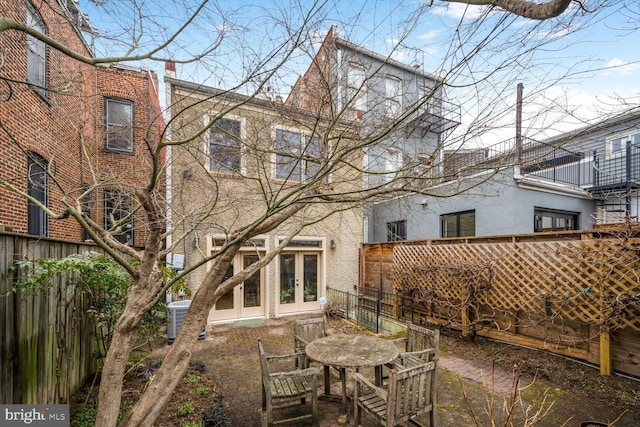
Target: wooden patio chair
{"points": [[420, 346], [410, 394], [281, 389], [420, 343], [307, 330]]}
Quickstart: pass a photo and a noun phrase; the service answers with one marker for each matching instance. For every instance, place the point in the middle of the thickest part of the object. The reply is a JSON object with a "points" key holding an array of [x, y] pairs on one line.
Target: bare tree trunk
{"points": [[174, 366], [175, 363], [113, 372]]}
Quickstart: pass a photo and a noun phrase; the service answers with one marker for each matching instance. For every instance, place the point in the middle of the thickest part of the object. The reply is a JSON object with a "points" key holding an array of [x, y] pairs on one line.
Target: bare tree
{"points": [[250, 54]]}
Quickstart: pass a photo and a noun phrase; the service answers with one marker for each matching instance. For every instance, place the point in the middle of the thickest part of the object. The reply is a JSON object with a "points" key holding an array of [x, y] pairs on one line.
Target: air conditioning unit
{"points": [[177, 312]]}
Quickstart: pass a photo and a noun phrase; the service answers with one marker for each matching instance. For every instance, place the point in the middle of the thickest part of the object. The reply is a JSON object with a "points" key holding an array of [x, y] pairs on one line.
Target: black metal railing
{"points": [[553, 163], [367, 305], [617, 170]]}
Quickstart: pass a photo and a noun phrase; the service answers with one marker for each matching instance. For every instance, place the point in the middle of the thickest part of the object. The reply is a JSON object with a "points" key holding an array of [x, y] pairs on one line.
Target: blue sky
{"points": [[583, 69]]}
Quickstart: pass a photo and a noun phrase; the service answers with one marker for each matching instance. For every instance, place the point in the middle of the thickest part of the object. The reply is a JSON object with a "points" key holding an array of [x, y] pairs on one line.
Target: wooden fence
{"points": [[47, 347], [574, 293]]}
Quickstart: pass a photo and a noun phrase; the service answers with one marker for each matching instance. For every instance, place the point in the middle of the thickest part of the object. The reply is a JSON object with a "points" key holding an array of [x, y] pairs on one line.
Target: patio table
{"points": [[353, 352]]}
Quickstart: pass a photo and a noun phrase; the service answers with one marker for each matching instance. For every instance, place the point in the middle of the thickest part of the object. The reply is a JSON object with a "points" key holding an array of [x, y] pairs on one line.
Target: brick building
{"points": [[70, 131]]}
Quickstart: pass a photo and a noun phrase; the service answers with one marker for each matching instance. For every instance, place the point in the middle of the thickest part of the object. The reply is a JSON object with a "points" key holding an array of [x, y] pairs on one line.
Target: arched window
{"points": [[37, 188]]}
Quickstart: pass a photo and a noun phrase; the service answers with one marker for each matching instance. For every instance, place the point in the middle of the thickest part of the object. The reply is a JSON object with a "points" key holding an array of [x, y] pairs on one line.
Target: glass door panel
{"points": [[287, 288], [310, 262], [226, 301], [299, 281], [251, 290]]}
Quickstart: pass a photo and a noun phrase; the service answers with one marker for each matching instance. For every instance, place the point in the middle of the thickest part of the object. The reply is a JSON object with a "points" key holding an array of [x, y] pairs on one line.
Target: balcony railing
{"points": [[618, 171], [437, 116], [553, 163]]}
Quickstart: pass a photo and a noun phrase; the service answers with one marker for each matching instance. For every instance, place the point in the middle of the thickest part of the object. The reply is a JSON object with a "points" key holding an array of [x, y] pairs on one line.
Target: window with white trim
{"points": [[298, 156], [36, 52], [224, 146], [356, 87], [118, 124], [619, 143], [393, 96]]}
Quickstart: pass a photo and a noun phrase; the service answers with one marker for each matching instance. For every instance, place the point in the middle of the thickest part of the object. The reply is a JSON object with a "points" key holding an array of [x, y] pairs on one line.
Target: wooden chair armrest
{"points": [[300, 339], [431, 351], [280, 357], [307, 372], [379, 391]]}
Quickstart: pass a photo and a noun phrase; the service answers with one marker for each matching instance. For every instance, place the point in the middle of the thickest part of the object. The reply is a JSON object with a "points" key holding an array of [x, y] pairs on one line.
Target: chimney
{"points": [[170, 69]]}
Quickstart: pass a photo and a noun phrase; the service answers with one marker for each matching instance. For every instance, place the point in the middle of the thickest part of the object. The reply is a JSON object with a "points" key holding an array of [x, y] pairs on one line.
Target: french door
{"points": [[246, 299], [298, 282]]}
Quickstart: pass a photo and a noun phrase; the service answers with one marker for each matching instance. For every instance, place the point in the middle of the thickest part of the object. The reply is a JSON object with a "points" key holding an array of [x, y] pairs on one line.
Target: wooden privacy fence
{"points": [[576, 294], [47, 347]]}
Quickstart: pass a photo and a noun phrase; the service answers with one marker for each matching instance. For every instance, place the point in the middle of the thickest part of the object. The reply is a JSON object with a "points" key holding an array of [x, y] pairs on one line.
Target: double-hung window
{"points": [[298, 156], [459, 224], [393, 96], [36, 52], [118, 218], [356, 88], [37, 188], [118, 124], [224, 146]]}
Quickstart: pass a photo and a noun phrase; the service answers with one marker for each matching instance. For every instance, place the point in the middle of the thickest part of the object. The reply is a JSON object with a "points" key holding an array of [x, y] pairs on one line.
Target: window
{"points": [[86, 204], [393, 96], [118, 206], [36, 52], [224, 146], [297, 156], [459, 224], [425, 96], [397, 230], [619, 144], [37, 187], [118, 123], [393, 163], [356, 88], [554, 220]]}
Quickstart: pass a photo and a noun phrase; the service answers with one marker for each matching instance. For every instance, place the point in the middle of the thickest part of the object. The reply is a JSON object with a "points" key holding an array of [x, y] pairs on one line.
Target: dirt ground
{"points": [[618, 394]]}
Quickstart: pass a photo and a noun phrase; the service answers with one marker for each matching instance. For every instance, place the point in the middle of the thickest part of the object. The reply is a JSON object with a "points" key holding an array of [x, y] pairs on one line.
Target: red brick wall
{"points": [[66, 127]]}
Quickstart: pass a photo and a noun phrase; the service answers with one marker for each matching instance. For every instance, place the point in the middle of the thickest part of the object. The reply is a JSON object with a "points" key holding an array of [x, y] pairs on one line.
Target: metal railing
{"points": [[553, 163], [367, 305]]}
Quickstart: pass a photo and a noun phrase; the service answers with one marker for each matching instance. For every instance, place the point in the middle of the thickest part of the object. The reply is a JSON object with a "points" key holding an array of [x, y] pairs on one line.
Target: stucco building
{"points": [[235, 162]]}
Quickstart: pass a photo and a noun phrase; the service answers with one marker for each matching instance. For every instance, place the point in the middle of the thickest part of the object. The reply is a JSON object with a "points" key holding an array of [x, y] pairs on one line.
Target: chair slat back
{"points": [[411, 392], [307, 330], [420, 338]]}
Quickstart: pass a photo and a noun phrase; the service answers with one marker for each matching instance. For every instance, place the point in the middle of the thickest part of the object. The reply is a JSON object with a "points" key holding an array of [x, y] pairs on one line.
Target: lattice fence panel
{"points": [[592, 281]]}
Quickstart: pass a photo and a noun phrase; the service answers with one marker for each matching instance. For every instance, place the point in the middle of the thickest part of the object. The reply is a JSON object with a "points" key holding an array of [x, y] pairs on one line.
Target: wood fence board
{"points": [[29, 355]]}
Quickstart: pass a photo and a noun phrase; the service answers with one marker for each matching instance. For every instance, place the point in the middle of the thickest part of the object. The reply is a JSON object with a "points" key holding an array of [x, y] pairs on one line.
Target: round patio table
{"points": [[350, 351]]}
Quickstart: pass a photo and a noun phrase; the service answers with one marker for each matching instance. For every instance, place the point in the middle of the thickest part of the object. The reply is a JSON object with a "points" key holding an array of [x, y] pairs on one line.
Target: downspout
{"points": [[628, 179], [170, 71], [518, 153]]}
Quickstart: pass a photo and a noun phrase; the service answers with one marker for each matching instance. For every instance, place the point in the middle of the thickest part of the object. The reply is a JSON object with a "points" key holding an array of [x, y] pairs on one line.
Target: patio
{"points": [[231, 352]]}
